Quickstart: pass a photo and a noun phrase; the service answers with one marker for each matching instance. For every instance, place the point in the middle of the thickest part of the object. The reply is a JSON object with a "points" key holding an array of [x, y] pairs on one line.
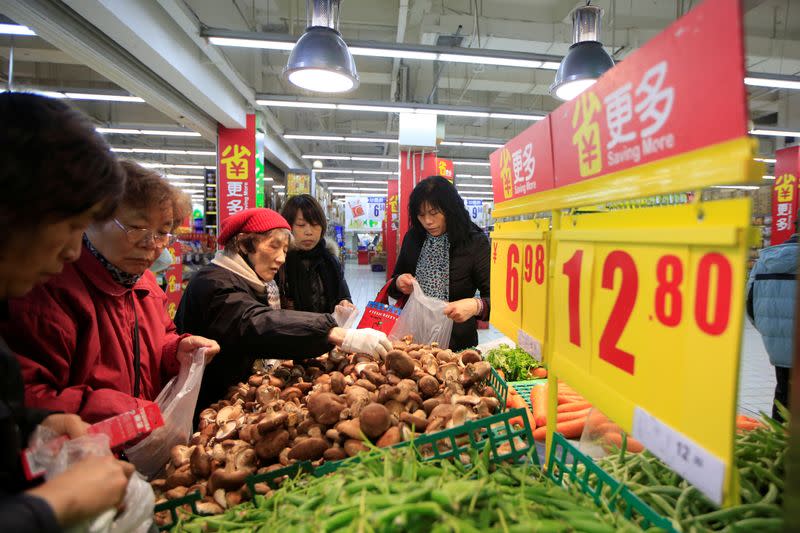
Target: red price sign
{"points": [[647, 308], [648, 107], [518, 278], [524, 165]]}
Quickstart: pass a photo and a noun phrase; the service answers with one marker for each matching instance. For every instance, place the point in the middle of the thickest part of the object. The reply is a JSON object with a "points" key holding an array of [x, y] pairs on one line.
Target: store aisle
{"points": [[756, 378]]}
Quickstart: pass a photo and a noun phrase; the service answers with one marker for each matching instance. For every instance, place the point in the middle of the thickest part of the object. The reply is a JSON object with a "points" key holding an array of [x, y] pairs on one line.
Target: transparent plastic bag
{"points": [[345, 316], [139, 501], [601, 436], [177, 402], [424, 318]]}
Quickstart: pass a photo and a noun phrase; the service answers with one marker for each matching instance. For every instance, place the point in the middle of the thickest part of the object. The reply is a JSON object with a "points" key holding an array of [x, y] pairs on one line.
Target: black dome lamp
{"points": [[320, 60], [586, 60]]}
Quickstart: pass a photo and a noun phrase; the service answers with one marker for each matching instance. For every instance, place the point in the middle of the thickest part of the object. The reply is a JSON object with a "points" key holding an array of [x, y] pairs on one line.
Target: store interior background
{"points": [[185, 86]]}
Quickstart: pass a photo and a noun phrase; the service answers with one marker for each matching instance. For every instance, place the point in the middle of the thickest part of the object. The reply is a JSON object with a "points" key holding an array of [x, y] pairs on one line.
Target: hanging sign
{"points": [[298, 182], [475, 210], [647, 308], [524, 165], [237, 169], [784, 194], [444, 168], [392, 225], [675, 94], [365, 212], [174, 278]]}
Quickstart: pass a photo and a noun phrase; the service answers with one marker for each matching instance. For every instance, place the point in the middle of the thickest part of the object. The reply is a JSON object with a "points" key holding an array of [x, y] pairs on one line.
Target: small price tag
{"points": [[704, 470], [530, 345]]}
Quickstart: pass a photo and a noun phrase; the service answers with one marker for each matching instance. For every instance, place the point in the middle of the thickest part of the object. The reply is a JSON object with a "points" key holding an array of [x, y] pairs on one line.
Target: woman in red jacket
{"points": [[111, 346]]}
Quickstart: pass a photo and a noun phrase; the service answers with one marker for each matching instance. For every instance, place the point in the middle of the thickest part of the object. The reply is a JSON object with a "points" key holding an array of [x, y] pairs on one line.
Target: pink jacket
{"points": [[73, 338]]}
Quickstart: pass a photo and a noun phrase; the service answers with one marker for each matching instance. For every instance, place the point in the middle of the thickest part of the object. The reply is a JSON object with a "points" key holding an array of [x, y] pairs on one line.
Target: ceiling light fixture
{"points": [[474, 185], [320, 61], [775, 133], [100, 97], [147, 164], [317, 164], [473, 163], [773, 81], [765, 159], [15, 29], [161, 151], [768, 177], [586, 60], [166, 133]]}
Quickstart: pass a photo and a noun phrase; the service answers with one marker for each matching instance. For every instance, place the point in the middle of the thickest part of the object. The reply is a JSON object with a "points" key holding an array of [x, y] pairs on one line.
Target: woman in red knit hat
{"points": [[236, 301]]}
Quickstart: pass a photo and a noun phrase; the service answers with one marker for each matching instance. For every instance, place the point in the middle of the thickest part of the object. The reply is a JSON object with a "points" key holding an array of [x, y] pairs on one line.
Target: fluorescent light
{"points": [[550, 65], [350, 181], [166, 165], [775, 133], [515, 116], [333, 171], [768, 177], [279, 186], [351, 158], [380, 159], [357, 189], [469, 143], [475, 185], [104, 97], [395, 54], [251, 43], [473, 163], [376, 172], [481, 177], [118, 130], [741, 187], [328, 157], [49, 94], [185, 177], [288, 103], [765, 159], [126, 131], [15, 29], [160, 151], [183, 184], [373, 108], [447, 112], [369, 140], [772, 82], [314, 137], [483, 60]]}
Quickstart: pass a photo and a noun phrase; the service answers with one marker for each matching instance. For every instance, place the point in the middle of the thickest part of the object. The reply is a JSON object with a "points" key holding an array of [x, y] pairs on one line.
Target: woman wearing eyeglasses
{"points": [[110, 345]]}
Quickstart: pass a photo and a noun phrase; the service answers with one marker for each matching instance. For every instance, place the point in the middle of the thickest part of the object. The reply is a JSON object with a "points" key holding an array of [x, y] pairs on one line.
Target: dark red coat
{"points": [[73, 338]]}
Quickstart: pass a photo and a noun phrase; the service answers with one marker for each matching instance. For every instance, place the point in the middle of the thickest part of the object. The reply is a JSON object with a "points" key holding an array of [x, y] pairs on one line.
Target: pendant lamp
{"points": [[586, 60], [320, 60]]}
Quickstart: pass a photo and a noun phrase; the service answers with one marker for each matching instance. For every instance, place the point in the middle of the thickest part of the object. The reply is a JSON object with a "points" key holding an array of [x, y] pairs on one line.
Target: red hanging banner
{"points": [[444, 167], [784, 194], [237, 169], [174, 277], [414, 167], [524, 165], [391, 225], [664, 99]]}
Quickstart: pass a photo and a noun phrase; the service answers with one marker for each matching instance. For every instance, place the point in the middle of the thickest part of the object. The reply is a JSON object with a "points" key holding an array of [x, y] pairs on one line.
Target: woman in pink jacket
{"points": [[110, 345]]}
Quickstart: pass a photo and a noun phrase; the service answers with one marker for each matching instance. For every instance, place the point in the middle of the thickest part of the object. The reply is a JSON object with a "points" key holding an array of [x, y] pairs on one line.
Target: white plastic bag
{"points": [[139, 501], [177, 402], [424, 318], [345, 316]]}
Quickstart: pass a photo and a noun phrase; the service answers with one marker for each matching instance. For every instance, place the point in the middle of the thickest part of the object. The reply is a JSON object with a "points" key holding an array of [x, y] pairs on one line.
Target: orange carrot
{"points": [[540, 372], [574, 406], [539, 404], [572, 415], [571, 429], [569, 398]]}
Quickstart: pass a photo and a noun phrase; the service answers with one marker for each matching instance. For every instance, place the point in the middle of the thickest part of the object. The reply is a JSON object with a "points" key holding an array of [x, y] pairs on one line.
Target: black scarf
{"points": [[298, 283]]}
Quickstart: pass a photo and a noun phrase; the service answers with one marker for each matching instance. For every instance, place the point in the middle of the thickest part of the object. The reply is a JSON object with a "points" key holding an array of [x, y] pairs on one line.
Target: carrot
{"points": [[539, 404], [571, 429], [613, 440], [574, 406], [569, 398], [540, 372], [748, 426], [566, 417]]}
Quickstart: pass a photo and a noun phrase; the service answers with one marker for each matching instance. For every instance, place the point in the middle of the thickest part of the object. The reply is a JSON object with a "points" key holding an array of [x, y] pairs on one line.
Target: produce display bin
{"points": [[523, 388], [581, 470], [173, 505]]}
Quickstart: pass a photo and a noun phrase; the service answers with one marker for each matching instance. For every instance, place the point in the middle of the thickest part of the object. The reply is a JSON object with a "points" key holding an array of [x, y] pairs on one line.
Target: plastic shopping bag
{"points": [[424, 318], [345, 316], [177, 402], [139, 501]]}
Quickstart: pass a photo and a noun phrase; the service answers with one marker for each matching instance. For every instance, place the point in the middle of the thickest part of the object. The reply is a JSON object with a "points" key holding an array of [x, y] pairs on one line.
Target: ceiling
{"points": [[156, 50]]}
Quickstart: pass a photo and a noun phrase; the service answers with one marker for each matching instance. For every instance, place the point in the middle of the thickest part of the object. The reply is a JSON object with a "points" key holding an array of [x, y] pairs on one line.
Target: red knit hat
{"points": [[256, 220]]}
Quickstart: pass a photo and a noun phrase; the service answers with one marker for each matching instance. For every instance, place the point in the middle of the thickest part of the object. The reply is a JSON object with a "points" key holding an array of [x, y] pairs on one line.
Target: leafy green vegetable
{"points": [[515, 363]]}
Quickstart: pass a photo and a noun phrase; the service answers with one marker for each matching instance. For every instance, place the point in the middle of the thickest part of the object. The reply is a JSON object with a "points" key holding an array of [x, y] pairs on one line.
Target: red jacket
{"points": [[73, 337]]}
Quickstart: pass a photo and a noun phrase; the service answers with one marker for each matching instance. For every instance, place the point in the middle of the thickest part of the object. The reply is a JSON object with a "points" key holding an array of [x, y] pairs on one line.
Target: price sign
{"points": [[174, 278], [514, 271], [533, 329], [648, 107], [649, 307]]}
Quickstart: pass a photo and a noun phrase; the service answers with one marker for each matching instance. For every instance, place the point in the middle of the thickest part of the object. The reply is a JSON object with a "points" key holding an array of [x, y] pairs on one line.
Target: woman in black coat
{"points": [[448, 255], [312, 279]]}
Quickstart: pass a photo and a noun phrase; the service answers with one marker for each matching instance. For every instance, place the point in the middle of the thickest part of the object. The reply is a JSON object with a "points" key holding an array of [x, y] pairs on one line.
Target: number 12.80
{"points": [[669, 276]]}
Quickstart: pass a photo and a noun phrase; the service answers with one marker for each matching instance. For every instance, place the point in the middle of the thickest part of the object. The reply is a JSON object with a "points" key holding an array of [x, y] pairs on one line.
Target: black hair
{"points": [[440, 194], [308, 205], [53, 164]]}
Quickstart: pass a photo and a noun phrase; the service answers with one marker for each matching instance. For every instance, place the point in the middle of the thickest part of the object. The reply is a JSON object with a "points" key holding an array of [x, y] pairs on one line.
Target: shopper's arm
{"points": [[26, 513], [481, 274]]}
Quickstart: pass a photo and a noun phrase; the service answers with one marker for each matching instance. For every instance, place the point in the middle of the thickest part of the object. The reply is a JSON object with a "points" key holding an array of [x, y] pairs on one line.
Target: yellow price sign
{"points": [[647, 307], [519, 281]]}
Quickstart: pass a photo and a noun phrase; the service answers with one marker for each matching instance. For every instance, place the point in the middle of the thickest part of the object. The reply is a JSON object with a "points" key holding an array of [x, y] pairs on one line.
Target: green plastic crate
{"points": [[566, 460], [172, 507]]}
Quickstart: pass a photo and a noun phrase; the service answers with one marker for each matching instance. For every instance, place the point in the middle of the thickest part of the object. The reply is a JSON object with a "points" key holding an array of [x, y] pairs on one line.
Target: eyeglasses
{"points": [[137, 235]]}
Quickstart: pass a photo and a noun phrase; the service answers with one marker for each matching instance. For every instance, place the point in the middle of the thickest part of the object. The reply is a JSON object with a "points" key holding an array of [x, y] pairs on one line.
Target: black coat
{"points": [[312, 281], [221, 305], [18, 512], [469, 271]]}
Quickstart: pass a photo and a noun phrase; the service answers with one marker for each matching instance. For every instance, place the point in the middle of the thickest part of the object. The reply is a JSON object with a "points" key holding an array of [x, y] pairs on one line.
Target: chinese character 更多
{"points": [[784, 209], [587, 133], [235, 188], [236, 165], [234, 206], [619, 111], [784, 186], [782, 223], [657, 102]]}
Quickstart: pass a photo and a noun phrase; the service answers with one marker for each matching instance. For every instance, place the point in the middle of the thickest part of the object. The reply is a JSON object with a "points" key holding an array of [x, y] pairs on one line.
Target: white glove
{"points": [[366, 340]]}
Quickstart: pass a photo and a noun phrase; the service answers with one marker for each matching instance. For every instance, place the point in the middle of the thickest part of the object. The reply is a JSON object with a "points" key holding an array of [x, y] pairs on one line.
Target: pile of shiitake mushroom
{"points": [[324, 409]]}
